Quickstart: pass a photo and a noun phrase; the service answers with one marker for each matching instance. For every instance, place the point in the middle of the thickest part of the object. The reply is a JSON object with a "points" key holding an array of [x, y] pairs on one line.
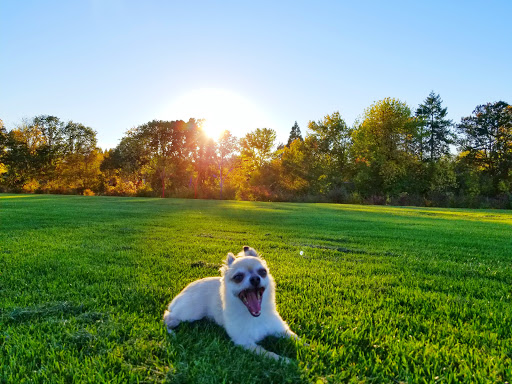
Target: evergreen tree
{"points": [[294, 134], [434, 134]]}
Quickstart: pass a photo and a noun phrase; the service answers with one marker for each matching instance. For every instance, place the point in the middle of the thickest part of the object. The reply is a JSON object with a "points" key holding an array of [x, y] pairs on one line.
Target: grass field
{"points": [[380, 294]]}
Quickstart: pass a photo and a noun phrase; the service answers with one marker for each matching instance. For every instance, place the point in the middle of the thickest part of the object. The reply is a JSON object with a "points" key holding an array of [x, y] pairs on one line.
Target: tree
{"points": [[167, 143], [131, 156], [78, 139], [50, 148], [293, 168], [256, 152], [160, 151], [257, 146], [434, 136], [48, 155], [294, 134], [382, 148], [21, 157], [78, 172], [330, 140], [3, 150], [226, 147], [203, 160], [486, 141], [79, 166]]}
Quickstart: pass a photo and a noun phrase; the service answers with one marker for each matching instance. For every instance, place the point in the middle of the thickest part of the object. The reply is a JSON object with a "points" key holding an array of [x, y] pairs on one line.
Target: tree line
{"points": [[390, 155]]}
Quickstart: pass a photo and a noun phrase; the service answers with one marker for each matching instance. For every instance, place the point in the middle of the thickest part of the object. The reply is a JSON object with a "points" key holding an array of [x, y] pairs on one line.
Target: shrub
{"points": [[375, 200], [338, 195], [31, 186], [145, 190]]}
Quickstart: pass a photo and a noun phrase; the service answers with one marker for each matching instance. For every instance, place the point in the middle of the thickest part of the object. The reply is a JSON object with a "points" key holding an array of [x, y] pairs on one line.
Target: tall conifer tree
{"points": [[294, 134], [434, 135]]}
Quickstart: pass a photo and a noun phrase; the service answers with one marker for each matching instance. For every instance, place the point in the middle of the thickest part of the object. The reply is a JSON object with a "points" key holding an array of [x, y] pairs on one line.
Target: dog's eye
{"points": [[262, 272], [238, 277]]}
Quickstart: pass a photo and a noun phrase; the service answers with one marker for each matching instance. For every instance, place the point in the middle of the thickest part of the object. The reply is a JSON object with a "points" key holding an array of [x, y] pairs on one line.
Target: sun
{"points": [[221, 110]]}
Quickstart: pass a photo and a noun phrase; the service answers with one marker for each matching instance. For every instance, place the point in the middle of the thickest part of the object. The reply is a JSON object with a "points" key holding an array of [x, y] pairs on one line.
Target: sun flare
{"points": [[221, 110]]}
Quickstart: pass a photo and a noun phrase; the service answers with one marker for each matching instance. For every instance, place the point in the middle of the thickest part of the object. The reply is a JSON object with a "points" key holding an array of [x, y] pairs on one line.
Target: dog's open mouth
{"points": [[251, 297]]}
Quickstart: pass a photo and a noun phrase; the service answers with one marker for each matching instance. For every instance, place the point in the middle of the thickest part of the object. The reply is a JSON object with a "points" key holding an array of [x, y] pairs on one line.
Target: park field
{"points": [[378, 294]]}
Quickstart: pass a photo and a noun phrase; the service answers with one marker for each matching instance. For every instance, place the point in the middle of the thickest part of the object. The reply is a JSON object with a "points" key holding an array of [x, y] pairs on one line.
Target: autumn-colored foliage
{"points": [[389, 156]]}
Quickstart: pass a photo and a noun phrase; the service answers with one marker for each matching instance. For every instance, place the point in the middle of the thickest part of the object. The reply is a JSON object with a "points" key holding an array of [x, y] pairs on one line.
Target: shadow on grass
{"points": [[207, 355], [63, 309]]}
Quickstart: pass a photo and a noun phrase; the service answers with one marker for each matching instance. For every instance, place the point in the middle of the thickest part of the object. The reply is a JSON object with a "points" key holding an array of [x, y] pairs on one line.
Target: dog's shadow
{"points": [[283, 346], [202, 347]]}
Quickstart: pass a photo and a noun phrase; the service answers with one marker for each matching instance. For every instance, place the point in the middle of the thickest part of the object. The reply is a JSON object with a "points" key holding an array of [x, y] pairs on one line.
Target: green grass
{"points": [[380, 294]]}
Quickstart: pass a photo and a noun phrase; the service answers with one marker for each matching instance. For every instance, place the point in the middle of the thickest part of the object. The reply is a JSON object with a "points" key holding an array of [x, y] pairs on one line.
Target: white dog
{"points": [[242, 300]]}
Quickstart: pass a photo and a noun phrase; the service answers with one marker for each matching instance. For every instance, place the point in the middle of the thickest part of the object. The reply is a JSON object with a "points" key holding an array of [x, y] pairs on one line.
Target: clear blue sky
{"points": [[113, 65]]}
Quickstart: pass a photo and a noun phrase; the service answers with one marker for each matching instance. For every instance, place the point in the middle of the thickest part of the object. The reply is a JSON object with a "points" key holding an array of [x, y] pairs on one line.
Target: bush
{"points": [[181, 192], [121, 188], [145, 190], [338, 195], [375, 200], [31, 186], [355, 198], [256, 193]]}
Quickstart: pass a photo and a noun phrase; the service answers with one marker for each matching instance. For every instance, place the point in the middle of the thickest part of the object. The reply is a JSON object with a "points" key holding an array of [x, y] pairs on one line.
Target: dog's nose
{"points": [[255, 280]]}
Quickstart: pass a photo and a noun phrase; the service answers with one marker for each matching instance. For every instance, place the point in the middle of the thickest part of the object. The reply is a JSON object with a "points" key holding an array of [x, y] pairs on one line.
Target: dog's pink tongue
{"points": [[253, 304]]}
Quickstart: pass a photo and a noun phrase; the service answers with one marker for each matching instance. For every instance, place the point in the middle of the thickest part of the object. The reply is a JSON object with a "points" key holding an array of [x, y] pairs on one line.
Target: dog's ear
{"points": [[229, 259], [227, 263], [248, 251]]}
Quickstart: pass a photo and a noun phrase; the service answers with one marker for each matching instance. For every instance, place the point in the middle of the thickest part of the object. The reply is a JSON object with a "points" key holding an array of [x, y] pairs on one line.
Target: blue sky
{"points": [[113, 65]]}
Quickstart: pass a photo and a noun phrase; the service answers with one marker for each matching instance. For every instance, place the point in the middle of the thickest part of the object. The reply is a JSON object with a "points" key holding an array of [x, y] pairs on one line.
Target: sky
{"points": [[113, 65]]}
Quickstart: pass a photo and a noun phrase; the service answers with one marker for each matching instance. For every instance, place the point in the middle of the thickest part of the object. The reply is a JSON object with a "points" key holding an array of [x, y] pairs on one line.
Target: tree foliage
{"points": [[387, 156], [434, 135], [294, 134], [486, 141], [382, 147], [48, 154], [225, 150], [330, 140]]}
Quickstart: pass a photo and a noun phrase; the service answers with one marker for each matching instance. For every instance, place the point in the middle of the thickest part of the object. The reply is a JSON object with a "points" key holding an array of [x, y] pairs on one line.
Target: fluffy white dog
{"points": [[242, 300]]}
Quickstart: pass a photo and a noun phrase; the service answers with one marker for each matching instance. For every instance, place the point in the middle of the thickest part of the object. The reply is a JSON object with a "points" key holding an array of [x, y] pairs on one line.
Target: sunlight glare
{"points": [[221, 110]]}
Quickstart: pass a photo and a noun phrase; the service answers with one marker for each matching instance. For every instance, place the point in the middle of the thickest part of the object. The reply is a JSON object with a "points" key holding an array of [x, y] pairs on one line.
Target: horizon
{"points": [[113, 66]]}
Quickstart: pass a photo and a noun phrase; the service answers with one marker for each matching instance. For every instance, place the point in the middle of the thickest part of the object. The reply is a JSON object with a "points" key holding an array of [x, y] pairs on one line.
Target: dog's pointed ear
{"points": [[227, 263], [229, 259], [248, 251]]}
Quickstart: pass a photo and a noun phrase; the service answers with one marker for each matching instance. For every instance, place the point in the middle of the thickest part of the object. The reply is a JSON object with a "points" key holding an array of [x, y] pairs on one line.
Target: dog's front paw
{"points": [[262, 351], [277, 357], [273, 355], [170, 322], [285, 360]]}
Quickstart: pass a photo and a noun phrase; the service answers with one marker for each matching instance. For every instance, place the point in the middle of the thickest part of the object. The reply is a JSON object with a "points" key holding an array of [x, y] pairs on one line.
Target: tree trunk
{"points": [[163, 184], [220, 178]]}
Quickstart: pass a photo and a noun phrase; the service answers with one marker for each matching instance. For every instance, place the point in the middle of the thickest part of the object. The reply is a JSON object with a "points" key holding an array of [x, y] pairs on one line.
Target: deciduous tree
{"points": [[486, 138], [256, 152], [382, 147], [226, 148], [330, 141], [203, 161]]}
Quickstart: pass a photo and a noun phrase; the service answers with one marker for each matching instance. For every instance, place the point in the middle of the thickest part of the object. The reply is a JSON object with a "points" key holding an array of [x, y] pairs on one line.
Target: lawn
{"points": [[379, 294]]}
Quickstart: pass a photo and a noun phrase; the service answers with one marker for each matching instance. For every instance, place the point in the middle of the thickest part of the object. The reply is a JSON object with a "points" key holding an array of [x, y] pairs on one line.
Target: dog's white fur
{"points": [[217, 298]]}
